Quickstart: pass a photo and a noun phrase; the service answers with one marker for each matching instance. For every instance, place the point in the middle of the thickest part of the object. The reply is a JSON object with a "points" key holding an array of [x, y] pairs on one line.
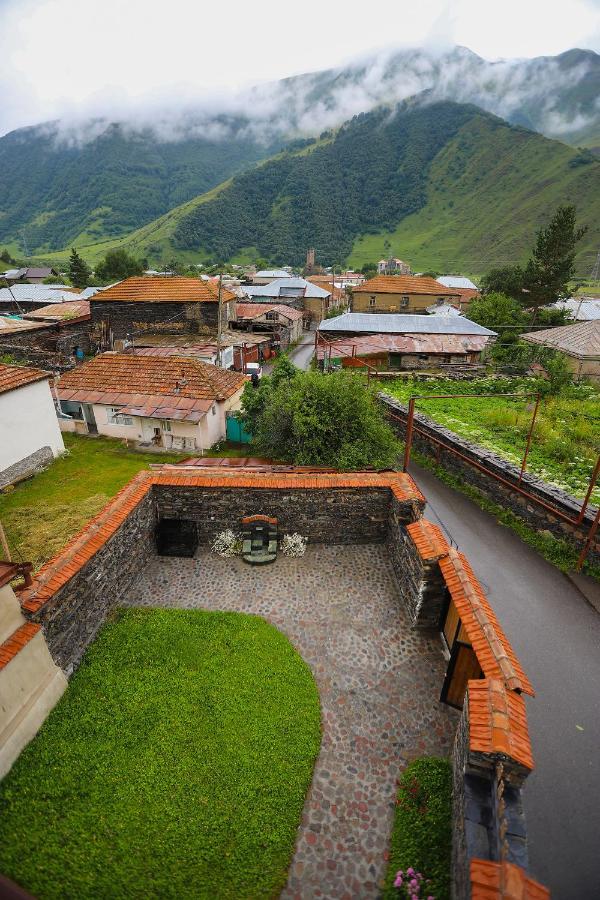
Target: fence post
{"points": [[529, 436], [409, 433]]}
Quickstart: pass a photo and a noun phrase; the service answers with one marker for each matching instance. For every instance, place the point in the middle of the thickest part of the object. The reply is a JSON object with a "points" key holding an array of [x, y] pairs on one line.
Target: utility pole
{"points": [[596, 269], [220, 307]]}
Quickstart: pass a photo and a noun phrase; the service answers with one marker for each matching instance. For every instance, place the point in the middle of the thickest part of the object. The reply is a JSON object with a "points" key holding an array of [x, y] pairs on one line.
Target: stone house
{"points": [[48, 336], [297, 292], [580, 343], [400, 294], [155, 305], [30, 436], [168, 402], [388, 266], [283, 322]]}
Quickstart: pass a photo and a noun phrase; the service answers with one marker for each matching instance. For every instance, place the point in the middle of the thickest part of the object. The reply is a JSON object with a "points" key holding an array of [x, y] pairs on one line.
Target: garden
{"points": [[176, 765], [566, 438]]}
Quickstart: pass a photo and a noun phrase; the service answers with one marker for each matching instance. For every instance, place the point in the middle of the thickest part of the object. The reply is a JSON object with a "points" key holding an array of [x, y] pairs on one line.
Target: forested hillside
{"points": [[475, 187]]}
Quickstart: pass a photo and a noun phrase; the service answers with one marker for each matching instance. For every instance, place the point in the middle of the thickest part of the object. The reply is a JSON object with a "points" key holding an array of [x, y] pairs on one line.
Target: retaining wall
{"points": [[534, 514]]}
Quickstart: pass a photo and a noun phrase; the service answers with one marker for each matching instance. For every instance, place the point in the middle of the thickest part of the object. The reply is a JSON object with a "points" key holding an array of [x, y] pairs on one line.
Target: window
{"points": [[115, 417], [166, 425], [272, 316], [372, 301], [404, 302], [214, 409]]}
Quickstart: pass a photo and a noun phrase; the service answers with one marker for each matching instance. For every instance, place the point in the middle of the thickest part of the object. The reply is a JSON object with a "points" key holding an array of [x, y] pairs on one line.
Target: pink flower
{"points": [[398, 881], [410, 871]]}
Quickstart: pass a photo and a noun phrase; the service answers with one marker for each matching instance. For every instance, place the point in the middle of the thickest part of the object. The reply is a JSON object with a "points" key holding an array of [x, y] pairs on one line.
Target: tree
{"points": [[507, 280], [369, 268], [552, 263], [500, 313], [53, 279], [6, 257], [118, 264], [313, 419], [254, 399], [79, 272]]}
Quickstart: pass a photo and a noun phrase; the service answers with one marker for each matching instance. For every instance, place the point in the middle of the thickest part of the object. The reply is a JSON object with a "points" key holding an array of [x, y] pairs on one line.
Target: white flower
{"points": [[227, 543], [293, 545]]}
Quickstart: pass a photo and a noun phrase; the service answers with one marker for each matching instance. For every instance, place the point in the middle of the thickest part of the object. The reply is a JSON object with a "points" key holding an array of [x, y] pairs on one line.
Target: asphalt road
{"points": [[556, 635], [302, 354]]}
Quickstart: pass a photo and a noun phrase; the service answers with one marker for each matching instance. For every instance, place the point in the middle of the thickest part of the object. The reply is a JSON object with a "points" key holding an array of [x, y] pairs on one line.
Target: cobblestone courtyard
{"points": [[378, 681]]}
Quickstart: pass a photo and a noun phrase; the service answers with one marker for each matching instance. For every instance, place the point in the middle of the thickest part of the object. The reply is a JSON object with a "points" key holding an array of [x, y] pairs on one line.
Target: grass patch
{"points": [[566, 438], [176, 765], [422, 832], [41, 514], [561, 554]]}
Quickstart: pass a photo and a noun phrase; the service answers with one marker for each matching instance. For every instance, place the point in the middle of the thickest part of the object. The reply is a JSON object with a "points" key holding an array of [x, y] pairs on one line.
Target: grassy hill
{"points": [[449, 186]]}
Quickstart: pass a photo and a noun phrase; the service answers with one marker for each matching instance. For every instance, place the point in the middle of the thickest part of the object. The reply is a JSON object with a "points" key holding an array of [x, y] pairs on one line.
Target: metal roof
{"points": [[379, 344], [38, 293], [272, 273], [581, 340], [392, 323], [579, 309], [457, 281], [272, 290]]}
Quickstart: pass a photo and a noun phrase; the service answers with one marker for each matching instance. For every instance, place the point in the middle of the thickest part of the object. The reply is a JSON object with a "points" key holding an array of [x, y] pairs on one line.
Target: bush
{"points": [[422, 831]]}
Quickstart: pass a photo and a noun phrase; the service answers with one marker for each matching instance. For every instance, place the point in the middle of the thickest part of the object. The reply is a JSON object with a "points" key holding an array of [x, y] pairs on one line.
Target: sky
{"points": [[62, 58]]}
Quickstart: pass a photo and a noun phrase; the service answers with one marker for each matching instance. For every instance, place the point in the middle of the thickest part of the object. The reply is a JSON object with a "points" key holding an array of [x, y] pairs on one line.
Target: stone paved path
{"points": [[378, 681]]}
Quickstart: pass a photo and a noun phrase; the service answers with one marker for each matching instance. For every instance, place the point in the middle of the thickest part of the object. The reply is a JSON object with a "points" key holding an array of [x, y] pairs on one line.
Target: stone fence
{"points": [[443, 446]]}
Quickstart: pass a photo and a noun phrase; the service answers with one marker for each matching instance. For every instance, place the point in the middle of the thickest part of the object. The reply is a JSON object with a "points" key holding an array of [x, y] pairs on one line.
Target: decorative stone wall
{"points": [[336, 516], [35, 462], [531, 512], [420, 584], [75, 613], [169, 318]]}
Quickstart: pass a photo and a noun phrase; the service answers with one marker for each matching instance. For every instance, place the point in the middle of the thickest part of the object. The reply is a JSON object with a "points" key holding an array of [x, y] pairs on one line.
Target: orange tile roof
{"points": [[404, 284], [252, 310], [81, 548], [13, 377], [492, 648], [498, 721], [503, 881], [59, 312], [16, 642], [428, 539], [126, 375], [161, 289]]}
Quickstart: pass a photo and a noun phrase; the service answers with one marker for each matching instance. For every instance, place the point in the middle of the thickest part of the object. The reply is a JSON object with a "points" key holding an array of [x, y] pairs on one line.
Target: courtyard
{"points": [[378, 681]]}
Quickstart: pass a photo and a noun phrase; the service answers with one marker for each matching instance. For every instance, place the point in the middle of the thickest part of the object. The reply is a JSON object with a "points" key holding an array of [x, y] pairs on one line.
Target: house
{"points": [[236, 347], [581, 309], [157, 305], [580, 343], [31, 274], [391, 265], [267, 275], [31, 438], [21, 298], [296, 292], [50, 335], [208, 352], [465, 287], [169, 402], [400, 293], [283, 322], [334, 284]]}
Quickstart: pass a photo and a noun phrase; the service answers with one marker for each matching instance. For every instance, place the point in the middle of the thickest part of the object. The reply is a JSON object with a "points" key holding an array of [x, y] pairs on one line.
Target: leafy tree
{"points": [[369, 268], [508, 280], [519, 356], [254, 399], [118, 264], [6, 257], [552, 263], [500, 313], [79, 272], [53, 279], [314, 419]]}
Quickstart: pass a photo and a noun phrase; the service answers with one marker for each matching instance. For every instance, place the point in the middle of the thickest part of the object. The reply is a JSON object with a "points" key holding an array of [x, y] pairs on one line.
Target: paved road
{"points": [[557, 637], [303, 353]]}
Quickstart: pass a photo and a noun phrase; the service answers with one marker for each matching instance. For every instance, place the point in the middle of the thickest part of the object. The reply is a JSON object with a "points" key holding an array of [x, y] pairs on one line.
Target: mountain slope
{"points": [[77, 183]]}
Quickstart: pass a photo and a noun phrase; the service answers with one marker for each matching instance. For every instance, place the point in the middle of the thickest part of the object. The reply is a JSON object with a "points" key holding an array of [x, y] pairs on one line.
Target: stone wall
{"points": [[531, 512], [33, 463], [75, 613], [169, 318], [336, 516]]}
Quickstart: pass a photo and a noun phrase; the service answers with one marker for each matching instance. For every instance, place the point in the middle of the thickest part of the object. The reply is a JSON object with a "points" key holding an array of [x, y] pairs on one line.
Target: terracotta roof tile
{"points": [[16, 642], [13, 377], [503, 881], [253, 310], [498, 721], [494, 652], [405, 284], [148, 289], [160, 378], [428, 539], [70, 311]]}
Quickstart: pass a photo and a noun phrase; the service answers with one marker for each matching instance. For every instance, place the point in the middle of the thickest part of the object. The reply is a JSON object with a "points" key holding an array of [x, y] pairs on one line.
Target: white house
{"points": [[29, 434], [169, 402]]}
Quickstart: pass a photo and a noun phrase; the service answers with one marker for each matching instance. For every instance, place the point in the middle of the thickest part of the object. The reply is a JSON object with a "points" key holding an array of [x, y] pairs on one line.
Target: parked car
{"points": [[254, 369]]}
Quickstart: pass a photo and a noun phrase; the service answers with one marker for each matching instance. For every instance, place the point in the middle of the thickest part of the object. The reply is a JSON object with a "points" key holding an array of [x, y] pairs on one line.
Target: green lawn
{"points": [[566, 439], [422, 832], [42, 513], [176, 765]]}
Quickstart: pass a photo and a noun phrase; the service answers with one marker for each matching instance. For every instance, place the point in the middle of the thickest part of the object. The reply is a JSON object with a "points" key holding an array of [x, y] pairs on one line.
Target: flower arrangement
{"points": [[227, 543], [294, 545], [409, 884]]}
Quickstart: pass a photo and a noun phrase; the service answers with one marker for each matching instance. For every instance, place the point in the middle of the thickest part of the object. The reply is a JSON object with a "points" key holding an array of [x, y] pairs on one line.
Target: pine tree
{"points": [[552, 263], [79, 271]]}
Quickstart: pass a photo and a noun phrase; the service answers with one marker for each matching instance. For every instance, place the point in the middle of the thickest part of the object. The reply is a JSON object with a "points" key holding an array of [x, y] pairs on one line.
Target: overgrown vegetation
{"points": [[176, 764], [313, 419], [422, 831], [566, 438], [41, 514]]}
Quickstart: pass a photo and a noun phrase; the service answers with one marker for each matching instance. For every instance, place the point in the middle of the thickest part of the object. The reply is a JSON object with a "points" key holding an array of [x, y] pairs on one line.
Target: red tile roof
{"points": [[122, 378], [492, 648], [428, 539], [159, 289], [253, 310], [13, 377], [503, 881], [59, 570], [59, 312], [405, 284], [16, 642], [498, 721]]}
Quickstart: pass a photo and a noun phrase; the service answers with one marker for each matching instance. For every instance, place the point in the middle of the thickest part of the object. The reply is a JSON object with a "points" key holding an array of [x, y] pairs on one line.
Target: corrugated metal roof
{"points": [[376, 344], [273, 289], [396, 323], [581, 340], [579, 309], [272, 273], [38, 293], [456, 281]]}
